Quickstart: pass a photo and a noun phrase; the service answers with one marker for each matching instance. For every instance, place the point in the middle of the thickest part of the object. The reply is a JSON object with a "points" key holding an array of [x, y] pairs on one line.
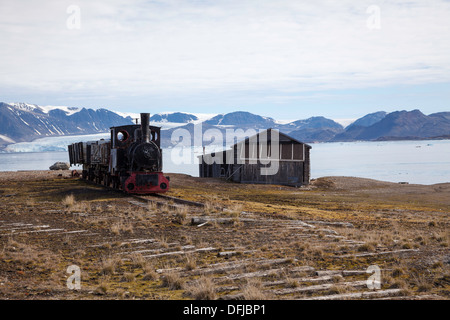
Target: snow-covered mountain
{"points": [[312, 129], [24, 122]]}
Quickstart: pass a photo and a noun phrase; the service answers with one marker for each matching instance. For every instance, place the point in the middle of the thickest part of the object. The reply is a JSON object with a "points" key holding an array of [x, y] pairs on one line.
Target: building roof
{"points": [[285, 136], [280, 133]]}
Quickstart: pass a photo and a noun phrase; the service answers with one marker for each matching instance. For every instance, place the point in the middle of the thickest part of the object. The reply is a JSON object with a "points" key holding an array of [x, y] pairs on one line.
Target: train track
{"points": [[176, 200], [164, 200], [156, 198]]}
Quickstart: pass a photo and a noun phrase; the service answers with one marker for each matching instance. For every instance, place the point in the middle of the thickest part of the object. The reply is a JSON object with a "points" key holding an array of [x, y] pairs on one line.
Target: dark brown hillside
{"points": [[406, 124]]}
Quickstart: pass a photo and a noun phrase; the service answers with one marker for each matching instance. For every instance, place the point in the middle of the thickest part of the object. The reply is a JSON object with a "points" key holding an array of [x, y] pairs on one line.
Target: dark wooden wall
{"points": [[293, 165]]}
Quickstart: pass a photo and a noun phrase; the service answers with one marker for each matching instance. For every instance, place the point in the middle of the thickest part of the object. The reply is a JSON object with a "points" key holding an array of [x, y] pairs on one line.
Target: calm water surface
{"points": [[423, 162]]}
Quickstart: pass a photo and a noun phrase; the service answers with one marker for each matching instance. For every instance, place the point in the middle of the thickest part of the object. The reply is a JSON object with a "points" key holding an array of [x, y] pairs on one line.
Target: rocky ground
{"points": [[248, 242]]}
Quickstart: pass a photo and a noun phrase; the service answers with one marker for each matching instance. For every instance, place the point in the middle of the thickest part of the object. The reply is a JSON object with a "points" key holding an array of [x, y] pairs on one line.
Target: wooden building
{"points": [[270, 157]]}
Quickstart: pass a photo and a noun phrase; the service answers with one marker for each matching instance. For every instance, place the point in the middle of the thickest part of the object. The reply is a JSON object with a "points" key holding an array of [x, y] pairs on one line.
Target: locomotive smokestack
{"points": [[145, 123]]}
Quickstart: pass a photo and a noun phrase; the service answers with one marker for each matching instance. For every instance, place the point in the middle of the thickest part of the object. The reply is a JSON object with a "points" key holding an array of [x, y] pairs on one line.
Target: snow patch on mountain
{"points": [[132, 115], [6, 139], [43, 109], [344, 122], [284, 121], [164, 123], [68, 110]]}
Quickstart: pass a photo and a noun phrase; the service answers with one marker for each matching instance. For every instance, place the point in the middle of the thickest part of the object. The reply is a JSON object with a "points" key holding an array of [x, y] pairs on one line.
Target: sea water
{"points": [[422, 162]]}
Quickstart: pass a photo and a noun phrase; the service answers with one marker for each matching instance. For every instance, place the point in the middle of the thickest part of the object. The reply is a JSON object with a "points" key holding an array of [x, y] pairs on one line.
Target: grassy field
{"points": [[248, 242]]}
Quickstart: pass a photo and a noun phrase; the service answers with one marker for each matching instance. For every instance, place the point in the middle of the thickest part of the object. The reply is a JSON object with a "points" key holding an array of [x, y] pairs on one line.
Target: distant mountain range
{"points": [[399, 125], [25, 122]]}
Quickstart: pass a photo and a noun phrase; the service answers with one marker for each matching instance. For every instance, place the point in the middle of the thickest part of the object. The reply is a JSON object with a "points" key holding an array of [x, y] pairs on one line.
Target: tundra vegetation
{"points": [[248, 242]]}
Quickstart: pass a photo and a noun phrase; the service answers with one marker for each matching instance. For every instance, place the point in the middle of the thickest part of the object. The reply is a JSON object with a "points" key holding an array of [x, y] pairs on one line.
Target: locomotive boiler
{"points": [[131, 160]]}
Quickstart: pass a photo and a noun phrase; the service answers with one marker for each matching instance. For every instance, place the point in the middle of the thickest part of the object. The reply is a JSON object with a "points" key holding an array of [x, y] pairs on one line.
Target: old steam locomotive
{"points": [[131, 160]]}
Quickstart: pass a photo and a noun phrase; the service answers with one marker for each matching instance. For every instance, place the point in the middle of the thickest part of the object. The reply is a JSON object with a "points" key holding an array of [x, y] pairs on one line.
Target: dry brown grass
{"points": [[365, 247], [337, 289], [138, 260], [235, 210], [191, 262], [149, 274], [121, 226], [202, 289], [323, 183], [128, 277], [173, 281], [180, 214], [68, 201], [26, 254], [82, 207], [394, 282], [253, 290], [163, 241], [103, 285], [152, 207], [109, 265], [292, 282], [164, 208]]}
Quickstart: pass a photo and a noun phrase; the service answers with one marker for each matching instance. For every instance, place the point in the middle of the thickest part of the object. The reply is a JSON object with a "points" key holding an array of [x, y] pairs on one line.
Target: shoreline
{"points": [[381, 139], [67, 173]]}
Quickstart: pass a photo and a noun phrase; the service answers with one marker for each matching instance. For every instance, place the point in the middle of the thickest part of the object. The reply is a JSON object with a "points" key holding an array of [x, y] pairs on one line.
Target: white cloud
{"points": [[143, 47]]}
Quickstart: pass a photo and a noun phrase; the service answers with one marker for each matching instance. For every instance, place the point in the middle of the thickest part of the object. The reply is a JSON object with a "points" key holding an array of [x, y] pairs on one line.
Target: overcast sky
{"points": [[288, 59]]}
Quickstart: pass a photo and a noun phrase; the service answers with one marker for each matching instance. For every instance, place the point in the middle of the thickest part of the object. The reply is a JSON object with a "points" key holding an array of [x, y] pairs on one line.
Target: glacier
{"points": [[50, 144]]}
